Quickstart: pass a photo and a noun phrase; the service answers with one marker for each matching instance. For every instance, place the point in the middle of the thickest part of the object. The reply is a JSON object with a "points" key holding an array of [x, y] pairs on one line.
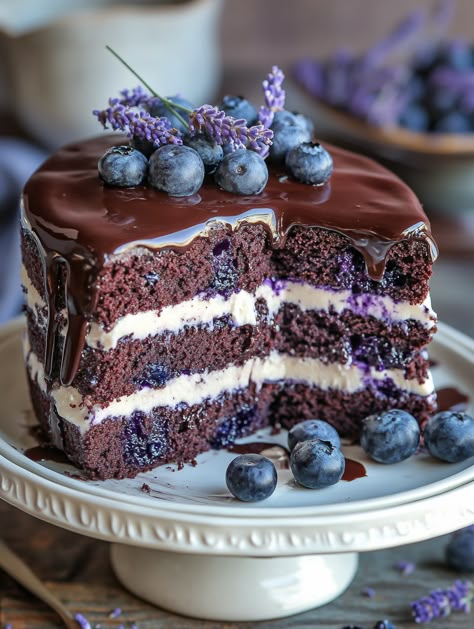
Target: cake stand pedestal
{"points": [[179, 540], [233, 588]]}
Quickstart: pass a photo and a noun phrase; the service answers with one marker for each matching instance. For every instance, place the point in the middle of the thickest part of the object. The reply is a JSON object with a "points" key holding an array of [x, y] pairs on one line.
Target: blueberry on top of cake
{"points": [[160, 326]]}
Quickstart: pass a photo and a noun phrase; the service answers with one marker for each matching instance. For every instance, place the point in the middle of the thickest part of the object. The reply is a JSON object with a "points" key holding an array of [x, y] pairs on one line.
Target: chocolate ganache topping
{"points": [[78, 222]]}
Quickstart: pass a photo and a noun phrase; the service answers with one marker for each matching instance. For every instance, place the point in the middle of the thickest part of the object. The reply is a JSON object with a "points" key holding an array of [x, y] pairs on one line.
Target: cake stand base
{"points": [[232, 588]]}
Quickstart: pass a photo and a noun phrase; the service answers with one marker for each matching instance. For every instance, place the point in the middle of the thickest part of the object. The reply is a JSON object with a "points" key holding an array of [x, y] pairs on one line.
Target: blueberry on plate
{"points": [[123, 166], [313, 429], [239, 107], [289, 131], [391, 436], [459, 551], [251, 477], [384, 624], [316, 463], [242, 172], [449, 436], [177, 170], [310, 163], [211, 153], [159, 109]]}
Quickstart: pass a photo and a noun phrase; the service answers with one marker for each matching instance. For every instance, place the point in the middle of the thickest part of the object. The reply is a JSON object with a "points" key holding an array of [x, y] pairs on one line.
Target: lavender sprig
{"points": [[172, 107], [274, 96], [224, 129], [135, 97], [141, 124], [440, 603]]}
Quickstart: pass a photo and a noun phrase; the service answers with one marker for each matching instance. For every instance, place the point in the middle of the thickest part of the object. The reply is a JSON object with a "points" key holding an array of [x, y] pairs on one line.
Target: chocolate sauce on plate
{"points": [[78, 223], [353, 469], [451, 399], [46, 453]]}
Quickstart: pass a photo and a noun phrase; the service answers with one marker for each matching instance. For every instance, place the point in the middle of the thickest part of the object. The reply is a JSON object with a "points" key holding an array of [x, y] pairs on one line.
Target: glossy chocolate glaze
{"points": [[79, 223]]}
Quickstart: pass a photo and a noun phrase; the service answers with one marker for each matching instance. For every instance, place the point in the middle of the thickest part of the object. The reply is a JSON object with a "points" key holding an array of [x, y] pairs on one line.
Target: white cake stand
{"points": [[186, 545]]}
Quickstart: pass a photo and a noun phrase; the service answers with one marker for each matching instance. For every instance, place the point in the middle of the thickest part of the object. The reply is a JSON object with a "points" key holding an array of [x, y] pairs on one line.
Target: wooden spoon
{"points": [[18, 570]]}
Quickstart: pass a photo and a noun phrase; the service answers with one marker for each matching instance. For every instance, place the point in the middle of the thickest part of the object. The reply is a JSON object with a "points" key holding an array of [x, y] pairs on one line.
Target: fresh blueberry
{"points": [[449, 436], [123, 166], [289, 130], [458, 55], [239, 107], [144, 146], [384, 624], [211, 153], [459, 552], [316, 463], [177, 170], [242, 172], [313, 429], [391, 436], [251, 477], [284, 117], [453, 122], [310, 163], [157, 108], [415, 117]]}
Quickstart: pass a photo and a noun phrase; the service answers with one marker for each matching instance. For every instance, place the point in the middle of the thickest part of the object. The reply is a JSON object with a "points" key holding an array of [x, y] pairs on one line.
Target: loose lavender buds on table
{"points": [[442, 602]]}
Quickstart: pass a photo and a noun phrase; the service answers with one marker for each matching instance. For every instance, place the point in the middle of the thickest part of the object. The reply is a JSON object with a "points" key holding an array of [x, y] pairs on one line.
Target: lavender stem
{"points": [[170, 106]]}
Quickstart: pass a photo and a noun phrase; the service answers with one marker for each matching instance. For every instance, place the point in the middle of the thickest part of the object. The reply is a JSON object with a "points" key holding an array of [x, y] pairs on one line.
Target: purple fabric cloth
{"points": [[18, 160]]}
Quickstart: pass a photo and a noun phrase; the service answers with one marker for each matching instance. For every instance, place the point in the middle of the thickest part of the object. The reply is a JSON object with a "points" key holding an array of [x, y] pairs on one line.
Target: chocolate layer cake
{"points": [[160, 327]]}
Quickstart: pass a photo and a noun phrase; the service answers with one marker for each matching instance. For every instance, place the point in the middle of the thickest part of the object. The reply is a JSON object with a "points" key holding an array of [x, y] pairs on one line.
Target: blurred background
{"points": [[54, 70]]}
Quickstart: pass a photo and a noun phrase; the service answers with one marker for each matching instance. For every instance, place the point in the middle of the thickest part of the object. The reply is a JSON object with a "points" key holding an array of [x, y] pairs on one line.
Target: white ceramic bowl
{"points": [[59, 70]]}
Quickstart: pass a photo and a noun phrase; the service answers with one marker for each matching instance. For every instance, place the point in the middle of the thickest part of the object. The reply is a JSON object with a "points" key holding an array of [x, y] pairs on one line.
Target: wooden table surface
{"points": [[77, 569]]}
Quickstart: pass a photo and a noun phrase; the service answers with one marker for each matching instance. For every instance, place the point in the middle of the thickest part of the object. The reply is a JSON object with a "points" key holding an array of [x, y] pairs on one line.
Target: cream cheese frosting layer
{"points": [[196, 388], [241, 308]]}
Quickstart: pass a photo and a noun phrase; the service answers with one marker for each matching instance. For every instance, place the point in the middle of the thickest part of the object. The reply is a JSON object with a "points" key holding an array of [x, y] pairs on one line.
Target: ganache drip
{"points": [[78, 223]]}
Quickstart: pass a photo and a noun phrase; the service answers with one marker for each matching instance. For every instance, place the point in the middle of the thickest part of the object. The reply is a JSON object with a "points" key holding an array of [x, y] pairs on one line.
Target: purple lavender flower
{"points": [[440, 603], [141, 124], [224, 129], [82, 621], [135, 97], [405, 567], [115, 613], [274, 96], [368, 592]]}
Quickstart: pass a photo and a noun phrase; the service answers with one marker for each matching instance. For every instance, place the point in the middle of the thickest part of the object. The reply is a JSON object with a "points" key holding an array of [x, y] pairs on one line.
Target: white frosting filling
{"points": [[241, 308], [196, 388]]}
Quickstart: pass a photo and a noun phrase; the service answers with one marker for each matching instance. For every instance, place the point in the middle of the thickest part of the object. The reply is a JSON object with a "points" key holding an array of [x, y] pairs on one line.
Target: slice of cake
{"points": [[159, 327]]}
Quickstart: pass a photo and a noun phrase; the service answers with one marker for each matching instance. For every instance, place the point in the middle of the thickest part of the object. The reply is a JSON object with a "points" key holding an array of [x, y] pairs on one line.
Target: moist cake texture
{"points": [[159, 327]]}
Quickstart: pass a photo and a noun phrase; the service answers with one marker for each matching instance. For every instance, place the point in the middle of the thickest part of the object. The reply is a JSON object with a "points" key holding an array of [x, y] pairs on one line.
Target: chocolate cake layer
{"points": [[225, 263], [122, 447], [103, 376]]}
